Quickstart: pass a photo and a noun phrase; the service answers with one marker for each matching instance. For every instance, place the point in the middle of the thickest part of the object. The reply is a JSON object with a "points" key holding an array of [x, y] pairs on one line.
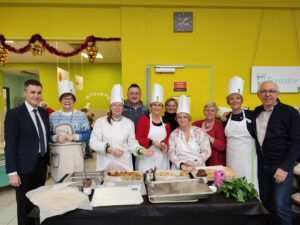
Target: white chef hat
{"points": [[236, 85], [66, 86], [116, 94], [157, 93], [183, 105]]}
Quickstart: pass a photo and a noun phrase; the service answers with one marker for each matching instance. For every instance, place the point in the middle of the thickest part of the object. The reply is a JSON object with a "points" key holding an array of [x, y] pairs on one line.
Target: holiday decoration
{"points": [[3, 55], [92, 51], [36, 48], [37, 45]]}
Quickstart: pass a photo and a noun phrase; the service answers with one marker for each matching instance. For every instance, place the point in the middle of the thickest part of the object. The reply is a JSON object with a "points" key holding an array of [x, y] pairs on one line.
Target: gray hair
{"points": [[211, 104], [266, 82]]}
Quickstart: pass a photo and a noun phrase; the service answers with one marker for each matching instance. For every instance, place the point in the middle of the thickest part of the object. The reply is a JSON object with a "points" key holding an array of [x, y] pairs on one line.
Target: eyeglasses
{"points": [[67, 99], [209, 110], [264, 92]]}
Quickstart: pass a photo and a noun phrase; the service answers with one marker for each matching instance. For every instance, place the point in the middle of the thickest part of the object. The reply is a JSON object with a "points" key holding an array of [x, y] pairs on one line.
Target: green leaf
{"points": [[238, 189], [240, 196]]}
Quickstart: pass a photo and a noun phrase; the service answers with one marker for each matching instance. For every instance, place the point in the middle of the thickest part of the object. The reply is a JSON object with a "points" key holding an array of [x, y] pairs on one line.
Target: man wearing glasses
{"points": [[278, 147], [133, 106]]}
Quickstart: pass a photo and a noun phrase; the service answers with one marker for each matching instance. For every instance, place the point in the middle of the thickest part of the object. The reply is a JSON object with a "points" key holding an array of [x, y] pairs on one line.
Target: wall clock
{"points": [[183, 21]]}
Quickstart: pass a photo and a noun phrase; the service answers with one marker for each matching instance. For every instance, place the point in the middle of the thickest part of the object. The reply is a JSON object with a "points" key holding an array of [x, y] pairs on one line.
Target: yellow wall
{"points": [[232, 38]]}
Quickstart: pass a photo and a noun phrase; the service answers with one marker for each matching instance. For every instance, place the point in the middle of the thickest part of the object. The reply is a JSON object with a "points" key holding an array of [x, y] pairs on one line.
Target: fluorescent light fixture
{"points": [[98, 56], [9, 42], [164, 70], [169, 66]]}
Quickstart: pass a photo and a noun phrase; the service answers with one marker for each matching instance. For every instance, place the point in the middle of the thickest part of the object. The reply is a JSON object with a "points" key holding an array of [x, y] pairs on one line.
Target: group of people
{"points": [[261, 145]]}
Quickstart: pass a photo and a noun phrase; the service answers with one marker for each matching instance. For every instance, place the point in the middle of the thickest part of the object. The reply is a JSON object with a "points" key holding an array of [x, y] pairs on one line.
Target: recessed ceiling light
{"points": [[98, 56]]}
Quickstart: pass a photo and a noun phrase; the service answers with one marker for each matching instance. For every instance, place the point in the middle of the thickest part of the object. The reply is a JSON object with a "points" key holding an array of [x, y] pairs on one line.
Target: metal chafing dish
{"points": [[177, 190], [96, 176]]}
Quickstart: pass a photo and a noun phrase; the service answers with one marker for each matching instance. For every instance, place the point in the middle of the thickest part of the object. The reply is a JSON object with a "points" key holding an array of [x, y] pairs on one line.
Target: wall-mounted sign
{"points": [[286, 77], [62, 74], [79, 82], [180, 86]]}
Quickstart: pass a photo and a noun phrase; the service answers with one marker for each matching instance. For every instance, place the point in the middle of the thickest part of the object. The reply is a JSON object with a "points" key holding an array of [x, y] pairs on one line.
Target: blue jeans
{"points": [[275, 197]]}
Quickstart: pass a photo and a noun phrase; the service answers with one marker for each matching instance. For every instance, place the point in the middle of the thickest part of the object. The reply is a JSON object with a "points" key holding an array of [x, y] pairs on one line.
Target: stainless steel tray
{"points": [[178, 190], [96, 176]]}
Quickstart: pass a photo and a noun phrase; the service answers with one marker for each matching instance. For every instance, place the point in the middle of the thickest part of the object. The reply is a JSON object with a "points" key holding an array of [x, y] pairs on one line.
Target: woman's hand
{"points": [[70, 137], [156, 144], [117, 152], [187, 168], [161, 145], [164, 147], [224, 116], [61, 139], [193, 164], [147, 152]]}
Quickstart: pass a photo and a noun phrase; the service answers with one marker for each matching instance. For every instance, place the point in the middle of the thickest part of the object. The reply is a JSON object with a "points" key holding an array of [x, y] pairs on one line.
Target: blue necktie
{"points": [[41, 134]]}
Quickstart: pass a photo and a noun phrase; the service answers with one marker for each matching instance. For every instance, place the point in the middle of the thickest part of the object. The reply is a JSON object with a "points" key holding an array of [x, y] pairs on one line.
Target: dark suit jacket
{"points": [[21, 139], [281, 146]]}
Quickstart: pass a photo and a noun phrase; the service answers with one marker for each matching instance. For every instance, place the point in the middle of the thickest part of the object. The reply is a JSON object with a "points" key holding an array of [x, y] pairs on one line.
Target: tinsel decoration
{"points": [[3, 55], [89, 44], [36, 48], [92, 51]]}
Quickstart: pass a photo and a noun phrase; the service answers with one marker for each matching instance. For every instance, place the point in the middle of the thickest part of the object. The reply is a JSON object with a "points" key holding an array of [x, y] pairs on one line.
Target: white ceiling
{"points": [[110, 50]]}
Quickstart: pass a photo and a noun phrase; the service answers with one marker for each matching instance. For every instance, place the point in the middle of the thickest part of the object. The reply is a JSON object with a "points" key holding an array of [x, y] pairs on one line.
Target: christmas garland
{"points": [[37, 44]]}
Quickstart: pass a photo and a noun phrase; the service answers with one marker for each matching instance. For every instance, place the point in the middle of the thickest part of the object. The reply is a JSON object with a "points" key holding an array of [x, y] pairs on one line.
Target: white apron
{"points": [[240, 152], [66, 158], [158, 159], [187, 150], [119, 163]]}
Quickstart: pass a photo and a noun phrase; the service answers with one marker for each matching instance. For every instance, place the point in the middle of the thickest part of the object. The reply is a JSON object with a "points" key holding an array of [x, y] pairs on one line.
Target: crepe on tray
{"points": [[123, 175]]}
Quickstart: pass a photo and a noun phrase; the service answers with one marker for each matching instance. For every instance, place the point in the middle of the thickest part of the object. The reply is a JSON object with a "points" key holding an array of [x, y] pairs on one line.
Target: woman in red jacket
{"points": [[215, 131], [153, 134]]}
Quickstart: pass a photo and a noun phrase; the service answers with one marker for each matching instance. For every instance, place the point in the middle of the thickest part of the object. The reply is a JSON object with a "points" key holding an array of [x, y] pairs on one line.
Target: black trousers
{"points": [[30, 181]]}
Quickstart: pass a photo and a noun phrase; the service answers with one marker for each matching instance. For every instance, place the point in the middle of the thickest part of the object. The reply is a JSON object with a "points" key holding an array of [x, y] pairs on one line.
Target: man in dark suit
{"points": [[26, 147], [278, 147]]}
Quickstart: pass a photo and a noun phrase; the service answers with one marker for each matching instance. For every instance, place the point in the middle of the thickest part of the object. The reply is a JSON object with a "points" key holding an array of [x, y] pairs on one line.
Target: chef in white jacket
{"points": [[113, 137], [189, 146]]}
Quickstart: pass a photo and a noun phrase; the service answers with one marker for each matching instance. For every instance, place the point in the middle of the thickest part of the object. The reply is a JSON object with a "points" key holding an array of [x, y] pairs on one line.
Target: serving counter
{"points": [[215, 210]]}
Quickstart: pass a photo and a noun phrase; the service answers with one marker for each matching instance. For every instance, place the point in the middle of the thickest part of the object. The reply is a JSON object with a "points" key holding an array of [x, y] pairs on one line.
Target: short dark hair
{"points": [[67, 95], [134, 86], [33, 83]]}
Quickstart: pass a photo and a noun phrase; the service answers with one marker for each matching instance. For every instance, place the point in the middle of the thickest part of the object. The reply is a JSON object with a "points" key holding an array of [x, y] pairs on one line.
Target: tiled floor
{"points": [[8, 206]]}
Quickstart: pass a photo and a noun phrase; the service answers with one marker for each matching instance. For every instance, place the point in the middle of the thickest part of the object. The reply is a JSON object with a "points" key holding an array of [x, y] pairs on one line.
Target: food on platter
{"points": [[125, 175], [201, 173], [210, 170], [171, 175]]}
